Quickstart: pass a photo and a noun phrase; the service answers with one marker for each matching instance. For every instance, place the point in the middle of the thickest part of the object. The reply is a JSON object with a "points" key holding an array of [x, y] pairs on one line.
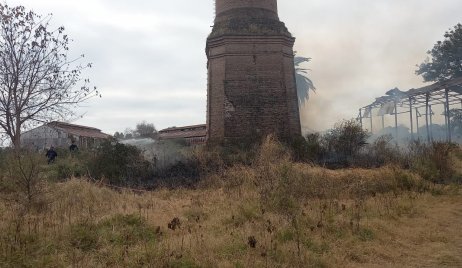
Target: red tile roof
{"points": [[183, 132], [78, 130]]}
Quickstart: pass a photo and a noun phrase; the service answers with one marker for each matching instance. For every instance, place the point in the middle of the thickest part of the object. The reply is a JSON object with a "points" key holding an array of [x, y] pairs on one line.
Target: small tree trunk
{"points": [[17, 142], [17, 137]]}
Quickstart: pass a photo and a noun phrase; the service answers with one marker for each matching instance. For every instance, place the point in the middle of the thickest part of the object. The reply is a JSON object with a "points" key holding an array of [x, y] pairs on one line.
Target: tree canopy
{"points": [[145, 130], [446, 58], [38, 81]]}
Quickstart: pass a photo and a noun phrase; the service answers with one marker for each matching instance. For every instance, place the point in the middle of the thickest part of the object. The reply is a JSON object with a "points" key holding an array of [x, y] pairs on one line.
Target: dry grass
{"points": [[408, 229], [274, 213]]}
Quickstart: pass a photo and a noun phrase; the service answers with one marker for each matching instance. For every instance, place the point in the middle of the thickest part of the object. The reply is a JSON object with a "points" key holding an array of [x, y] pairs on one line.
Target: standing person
{"points": [[73, 148], [51, 155]]}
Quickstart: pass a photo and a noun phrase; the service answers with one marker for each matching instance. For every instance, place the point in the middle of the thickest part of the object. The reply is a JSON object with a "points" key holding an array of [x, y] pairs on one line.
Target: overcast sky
{"points": [[149, 57]]}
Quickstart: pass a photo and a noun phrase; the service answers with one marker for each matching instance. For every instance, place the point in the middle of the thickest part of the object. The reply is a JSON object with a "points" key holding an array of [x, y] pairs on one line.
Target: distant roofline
{"points": [[64, 124], [184, 127]]}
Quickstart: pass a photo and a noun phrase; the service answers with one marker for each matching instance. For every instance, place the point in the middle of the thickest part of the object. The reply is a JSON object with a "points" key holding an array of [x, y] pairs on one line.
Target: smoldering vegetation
{"points": [[148, 163]]}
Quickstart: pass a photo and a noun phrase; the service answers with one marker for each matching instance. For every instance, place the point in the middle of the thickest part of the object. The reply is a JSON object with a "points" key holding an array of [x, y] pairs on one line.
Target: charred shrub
{"points": [[119, 163], [380, 152], [184, 173]]}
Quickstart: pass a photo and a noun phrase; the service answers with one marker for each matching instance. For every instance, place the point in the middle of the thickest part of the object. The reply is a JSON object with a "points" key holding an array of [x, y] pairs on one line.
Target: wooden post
{"points": [[396, 121], [370, 114], [431, 122], [448, 113], [410, 115]]}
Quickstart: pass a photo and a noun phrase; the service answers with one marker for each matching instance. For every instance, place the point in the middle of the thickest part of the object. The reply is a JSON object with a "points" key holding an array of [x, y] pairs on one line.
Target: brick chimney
{"points": [[223, 6], [251, 88]]}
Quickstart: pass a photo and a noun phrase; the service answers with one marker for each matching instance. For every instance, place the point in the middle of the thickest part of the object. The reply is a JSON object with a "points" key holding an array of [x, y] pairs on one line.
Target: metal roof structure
{"points": [[447, 93]]}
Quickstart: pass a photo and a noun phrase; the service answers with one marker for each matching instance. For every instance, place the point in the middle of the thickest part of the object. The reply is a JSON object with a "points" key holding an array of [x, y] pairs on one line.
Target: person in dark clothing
{"points": [[51, 155], [73, 148]]}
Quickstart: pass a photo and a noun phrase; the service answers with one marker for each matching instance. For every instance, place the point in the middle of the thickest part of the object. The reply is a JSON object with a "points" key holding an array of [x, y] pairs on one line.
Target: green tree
{"points": [[446, 58], [119, 136], [304, 84], [145, 130], [37, 79], [129, 133]]}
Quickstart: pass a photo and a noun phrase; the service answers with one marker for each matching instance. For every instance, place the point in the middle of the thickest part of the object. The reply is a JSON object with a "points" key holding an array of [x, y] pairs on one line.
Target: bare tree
{"points": [[38, 82]]}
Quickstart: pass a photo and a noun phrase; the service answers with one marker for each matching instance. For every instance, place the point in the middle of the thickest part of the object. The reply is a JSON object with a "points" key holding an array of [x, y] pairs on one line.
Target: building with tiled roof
{"points": [[60, 134], [192, 135]]}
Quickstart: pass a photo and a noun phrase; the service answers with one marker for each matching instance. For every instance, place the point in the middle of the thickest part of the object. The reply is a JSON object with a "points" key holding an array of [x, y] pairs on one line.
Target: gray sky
{"points": [[149, 55]]}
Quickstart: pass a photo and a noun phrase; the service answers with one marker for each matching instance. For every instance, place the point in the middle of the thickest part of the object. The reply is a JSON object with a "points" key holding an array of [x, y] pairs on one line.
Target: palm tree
{"points": [[304, 84]]}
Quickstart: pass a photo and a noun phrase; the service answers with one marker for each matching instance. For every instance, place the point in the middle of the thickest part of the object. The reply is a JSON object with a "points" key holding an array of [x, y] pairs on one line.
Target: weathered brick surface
{"points": [[226, 5], [251, 86]]}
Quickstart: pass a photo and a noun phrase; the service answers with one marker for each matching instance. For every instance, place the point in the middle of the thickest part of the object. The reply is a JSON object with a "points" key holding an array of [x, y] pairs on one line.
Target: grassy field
{"points": [[87, 225], [273, 213]]}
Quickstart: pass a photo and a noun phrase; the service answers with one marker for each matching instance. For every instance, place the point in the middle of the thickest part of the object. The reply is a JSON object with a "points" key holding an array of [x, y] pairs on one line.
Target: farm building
{"points": [[192, 135], [60, 134]]}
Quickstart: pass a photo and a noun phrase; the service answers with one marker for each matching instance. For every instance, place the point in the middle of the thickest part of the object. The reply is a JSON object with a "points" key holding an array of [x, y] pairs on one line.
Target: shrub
{"points": [[66, 168], [434, 161], [314, 146], [84, 237], [119, 164], [344, 141], [208, 160], [22, 181], [307, 148], [381, 152]]}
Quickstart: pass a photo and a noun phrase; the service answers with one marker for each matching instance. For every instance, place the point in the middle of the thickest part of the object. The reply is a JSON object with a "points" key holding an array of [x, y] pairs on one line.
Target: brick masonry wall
{"points": [[225, 5], [251, 88]]}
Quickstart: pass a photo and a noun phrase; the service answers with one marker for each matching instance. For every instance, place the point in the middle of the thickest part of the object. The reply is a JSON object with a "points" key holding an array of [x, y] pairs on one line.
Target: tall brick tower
{"points": [[251, 76]]}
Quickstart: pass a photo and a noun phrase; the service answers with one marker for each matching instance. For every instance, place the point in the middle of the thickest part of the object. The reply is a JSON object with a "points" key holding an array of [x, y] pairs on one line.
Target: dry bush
{"points": [[270, 152], [380, 152], [22, 182], [208, 160], [435, 161]]}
